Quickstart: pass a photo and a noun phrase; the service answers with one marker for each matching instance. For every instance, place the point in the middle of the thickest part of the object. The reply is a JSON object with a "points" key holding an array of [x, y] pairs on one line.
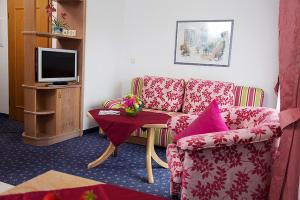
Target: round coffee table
{"points": [[150, 151]]}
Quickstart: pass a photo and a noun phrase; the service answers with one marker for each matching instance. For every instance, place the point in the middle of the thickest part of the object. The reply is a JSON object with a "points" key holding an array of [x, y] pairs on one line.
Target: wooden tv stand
{"points": [[52, 113]]}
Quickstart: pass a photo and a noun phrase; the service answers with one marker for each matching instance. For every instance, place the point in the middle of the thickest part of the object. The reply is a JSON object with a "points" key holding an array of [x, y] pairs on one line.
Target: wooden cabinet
{"points": [[53, 114]]}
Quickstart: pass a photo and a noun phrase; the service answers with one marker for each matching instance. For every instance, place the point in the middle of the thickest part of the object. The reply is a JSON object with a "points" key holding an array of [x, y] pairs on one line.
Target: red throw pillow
{"points": [[209, 121]]}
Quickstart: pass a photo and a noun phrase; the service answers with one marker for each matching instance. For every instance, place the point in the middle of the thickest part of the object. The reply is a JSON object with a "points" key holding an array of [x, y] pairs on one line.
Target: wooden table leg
{"points": [[157, 159], [150, 143], [150, 153], [110, 149]]}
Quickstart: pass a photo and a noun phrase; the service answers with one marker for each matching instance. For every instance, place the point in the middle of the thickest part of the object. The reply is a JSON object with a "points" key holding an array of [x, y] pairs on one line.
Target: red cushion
{"points": [[209, 121]]}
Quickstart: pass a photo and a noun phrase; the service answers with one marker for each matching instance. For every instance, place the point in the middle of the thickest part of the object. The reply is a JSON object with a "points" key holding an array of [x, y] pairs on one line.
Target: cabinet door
{"points": [[67, 110]]}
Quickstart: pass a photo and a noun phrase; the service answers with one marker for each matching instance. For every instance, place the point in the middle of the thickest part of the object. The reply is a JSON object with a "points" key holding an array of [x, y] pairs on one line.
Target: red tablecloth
{"points": [[102, 191], [118, 128]]}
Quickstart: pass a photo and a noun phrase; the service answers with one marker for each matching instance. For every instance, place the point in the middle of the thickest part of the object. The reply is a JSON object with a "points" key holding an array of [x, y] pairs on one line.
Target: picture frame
{"points": [[204, 42]]}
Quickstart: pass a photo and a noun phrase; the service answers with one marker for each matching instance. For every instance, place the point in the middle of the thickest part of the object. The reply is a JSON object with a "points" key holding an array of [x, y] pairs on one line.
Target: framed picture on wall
{"points": [[204, 42]]}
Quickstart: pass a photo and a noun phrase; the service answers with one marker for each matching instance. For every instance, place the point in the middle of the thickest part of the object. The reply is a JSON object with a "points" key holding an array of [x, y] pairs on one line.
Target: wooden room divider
{"points": [[53, 114]]}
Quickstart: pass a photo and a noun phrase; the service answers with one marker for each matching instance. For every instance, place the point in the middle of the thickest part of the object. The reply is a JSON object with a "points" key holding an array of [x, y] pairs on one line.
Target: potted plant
{"points": [[58, 22]]}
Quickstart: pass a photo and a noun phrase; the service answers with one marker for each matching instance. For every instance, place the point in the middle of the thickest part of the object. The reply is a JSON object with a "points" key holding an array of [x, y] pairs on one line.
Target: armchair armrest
{"points": [[175, 159], [260, 133], [113, 103]]}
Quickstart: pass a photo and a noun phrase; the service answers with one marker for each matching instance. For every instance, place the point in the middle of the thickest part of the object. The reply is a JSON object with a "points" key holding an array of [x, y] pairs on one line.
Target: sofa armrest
{"points": [[260, 133], [113, 103]]}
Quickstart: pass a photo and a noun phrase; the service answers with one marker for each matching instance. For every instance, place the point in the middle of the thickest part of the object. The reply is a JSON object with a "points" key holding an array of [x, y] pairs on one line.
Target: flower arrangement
{"points": [[132, 104], [58, 23]]}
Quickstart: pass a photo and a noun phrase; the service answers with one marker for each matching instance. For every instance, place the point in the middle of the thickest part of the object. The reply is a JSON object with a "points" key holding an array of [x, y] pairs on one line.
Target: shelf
{"points": [[69, 1], [51, 35], [49, 112], [46, 87]]}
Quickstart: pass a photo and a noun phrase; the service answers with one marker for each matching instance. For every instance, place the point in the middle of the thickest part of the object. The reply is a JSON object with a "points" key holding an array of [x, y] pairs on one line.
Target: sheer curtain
{"points": [[285, 174]]}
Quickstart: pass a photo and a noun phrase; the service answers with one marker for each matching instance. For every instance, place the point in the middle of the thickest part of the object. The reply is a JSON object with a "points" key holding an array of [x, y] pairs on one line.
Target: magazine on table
{"points": [[109, 112]]}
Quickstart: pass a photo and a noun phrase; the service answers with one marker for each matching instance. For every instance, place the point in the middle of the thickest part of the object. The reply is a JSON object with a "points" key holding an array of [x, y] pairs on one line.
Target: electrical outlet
{"points": [[132, 60]]}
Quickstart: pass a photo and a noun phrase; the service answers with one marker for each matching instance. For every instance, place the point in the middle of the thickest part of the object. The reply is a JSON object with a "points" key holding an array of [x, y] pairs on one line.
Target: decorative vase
{"points": [[131, 112], [57, 30]]}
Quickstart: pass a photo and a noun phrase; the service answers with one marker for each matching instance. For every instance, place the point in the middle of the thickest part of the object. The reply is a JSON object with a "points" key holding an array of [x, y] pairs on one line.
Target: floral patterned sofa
{"points": [[234, 164], [236, 96]]}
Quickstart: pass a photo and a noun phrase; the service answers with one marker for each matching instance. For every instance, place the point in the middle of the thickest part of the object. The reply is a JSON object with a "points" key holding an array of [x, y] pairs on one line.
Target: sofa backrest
{"points": [[244, 96]]}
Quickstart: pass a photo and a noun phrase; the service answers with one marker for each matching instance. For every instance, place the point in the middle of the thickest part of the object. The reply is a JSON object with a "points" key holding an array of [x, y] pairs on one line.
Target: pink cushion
{"points": [[163, 93], [208, 122], [200, 93]]}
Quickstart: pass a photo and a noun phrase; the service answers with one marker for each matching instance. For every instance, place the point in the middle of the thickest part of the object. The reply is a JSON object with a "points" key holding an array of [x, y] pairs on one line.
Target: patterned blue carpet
{"points": [[20, 162]]}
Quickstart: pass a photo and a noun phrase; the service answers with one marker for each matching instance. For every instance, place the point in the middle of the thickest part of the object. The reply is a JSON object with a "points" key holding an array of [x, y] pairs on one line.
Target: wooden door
{"points": [[67, 110], [16, 51]]}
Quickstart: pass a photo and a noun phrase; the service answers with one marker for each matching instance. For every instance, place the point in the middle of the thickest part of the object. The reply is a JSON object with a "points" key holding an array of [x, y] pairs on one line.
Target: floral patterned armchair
{"points": [[234, 164]]}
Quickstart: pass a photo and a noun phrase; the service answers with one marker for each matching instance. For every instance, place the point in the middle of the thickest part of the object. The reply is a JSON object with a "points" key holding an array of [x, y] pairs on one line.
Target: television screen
{"points": [[56, 65]]}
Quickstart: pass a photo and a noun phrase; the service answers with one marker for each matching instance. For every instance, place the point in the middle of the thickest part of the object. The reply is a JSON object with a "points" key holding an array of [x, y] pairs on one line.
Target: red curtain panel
{"points": [[285, 174]]}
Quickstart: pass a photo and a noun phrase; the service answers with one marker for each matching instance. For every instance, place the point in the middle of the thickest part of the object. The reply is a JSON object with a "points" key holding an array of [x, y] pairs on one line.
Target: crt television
{"points": [[56, 65]]}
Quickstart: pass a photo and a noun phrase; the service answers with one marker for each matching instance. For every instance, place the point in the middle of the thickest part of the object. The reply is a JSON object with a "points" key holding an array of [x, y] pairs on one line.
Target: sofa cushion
{"points": [[248, 96], [137, 86], [208, 122], [163, 93], [200, 93]]}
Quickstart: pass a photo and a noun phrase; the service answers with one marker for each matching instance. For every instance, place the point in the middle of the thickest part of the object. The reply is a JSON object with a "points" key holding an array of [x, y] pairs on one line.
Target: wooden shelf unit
{"points": [[53, 113], [51, 35]]}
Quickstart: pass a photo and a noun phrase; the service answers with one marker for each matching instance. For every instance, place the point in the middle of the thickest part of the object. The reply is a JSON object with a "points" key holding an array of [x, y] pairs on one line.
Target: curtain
{"points": [[285, 172]]}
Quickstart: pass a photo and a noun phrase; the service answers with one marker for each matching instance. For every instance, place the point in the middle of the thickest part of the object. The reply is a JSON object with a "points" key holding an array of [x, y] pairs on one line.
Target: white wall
{"points": [[150, 40], [4, 106], [143, 32], [102, 53]]}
